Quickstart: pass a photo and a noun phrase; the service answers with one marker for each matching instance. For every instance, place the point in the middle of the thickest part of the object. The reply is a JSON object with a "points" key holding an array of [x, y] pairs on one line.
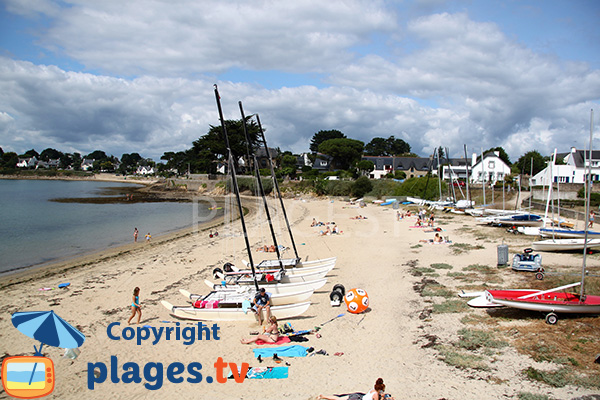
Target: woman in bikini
{"points": [[271, 334], [377, 393]]}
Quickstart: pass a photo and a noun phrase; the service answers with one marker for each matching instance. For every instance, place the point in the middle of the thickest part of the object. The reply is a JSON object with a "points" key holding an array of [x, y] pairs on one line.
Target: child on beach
{"points": [[136, 308], [148, 237]]}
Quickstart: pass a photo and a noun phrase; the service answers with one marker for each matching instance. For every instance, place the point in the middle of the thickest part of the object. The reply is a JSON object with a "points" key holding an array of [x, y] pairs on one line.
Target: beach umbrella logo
{"points": [[28, 377]]}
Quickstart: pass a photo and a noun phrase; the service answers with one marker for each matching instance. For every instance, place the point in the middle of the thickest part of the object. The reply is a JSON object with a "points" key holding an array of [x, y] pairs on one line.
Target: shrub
{"points": [[361, 186]]}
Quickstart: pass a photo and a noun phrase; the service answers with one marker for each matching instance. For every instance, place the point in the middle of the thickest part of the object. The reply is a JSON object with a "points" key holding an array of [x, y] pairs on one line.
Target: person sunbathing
{"points": [[377, 393], [270, 335]]}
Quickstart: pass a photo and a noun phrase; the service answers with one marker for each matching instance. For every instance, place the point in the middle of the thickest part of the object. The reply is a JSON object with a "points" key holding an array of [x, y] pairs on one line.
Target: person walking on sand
{"points": [[148, 237], [135, 235], [592, 215], [136, 308]]}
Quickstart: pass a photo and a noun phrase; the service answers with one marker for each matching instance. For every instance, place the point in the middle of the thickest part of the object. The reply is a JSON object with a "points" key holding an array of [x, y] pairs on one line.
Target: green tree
{"points": [[129, 162], [323, 136], [365, 166], [9, 160], [361, 186], [31, 153], [386, 147], [288, 165], [523, 164], [503, 156], [345, 152], [177, 161], [50, 154], [211, 147], [97, 155]]}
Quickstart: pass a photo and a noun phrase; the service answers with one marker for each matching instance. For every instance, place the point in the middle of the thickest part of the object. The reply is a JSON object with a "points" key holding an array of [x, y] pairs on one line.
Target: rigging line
{"points": [[276, 186], [261, 189]]}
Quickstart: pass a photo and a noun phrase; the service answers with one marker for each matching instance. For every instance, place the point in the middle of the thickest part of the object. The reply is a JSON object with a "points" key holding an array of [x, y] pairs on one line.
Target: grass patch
{"points": [[416, 246], [532, 396], [441, 266], [437, 290], [471, 339], [558, 378], [461, 359], [450, 306], [460, 248], [484, 269]]}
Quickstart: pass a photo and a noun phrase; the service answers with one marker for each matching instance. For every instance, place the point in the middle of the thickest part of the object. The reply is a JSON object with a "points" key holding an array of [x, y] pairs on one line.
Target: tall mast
{"points": [[467, 168], [276, 185], [260, 187], [236, 189], [587, 204]]}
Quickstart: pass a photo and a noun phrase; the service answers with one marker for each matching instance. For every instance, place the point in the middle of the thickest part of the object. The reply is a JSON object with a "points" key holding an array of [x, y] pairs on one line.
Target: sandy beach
{"points": [[404, 337]]}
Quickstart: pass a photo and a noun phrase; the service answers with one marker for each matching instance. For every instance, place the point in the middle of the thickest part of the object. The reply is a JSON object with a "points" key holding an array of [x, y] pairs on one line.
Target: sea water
{"points": [[35, 230]]}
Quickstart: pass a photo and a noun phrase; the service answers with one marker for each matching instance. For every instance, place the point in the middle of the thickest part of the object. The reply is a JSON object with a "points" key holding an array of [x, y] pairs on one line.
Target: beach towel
{"points": [[268, 373], [280, 341], [295, 350], [263, 373]]}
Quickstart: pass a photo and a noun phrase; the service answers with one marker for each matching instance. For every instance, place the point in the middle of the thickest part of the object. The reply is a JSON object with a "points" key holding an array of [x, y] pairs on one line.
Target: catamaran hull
{"points": [[295, 263], [276, 288], [233, 314], [276, 299], [565, 303], [567, 233], [564, 244]]}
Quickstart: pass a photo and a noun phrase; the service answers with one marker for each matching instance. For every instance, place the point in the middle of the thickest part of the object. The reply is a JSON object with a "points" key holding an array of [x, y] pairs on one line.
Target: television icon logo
{"points": [[26, 377]]}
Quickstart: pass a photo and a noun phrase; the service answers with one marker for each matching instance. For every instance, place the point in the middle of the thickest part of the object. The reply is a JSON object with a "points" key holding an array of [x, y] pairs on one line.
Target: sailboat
{"points": [[555, 300], [219, 306]]}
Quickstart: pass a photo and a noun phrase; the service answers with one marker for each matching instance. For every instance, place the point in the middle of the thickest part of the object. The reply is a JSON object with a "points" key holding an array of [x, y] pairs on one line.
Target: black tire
{"points": [[227, 267], [218, 273], [339, 287], [336, 295], [539, 276], [551, 319]]}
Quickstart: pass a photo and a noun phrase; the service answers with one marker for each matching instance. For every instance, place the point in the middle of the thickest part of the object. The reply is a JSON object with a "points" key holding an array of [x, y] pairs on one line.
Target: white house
{"points": [[28, 162], [574, 170], [144, 170], [489, 170], [87, 164]]}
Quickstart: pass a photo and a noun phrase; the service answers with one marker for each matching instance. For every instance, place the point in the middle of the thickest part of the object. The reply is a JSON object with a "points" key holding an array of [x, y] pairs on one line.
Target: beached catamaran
{"points": [[226, 304]]}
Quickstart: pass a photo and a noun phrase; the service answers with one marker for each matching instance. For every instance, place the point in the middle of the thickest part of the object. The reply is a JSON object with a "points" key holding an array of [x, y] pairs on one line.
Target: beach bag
{"points": [[269, 278]]}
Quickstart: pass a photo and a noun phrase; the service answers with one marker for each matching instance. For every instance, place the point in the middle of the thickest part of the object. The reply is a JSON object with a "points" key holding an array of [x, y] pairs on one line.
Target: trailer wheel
{"points": [[539, 276], [341, 288], [336, 295], [218, 273], [551, 319]]}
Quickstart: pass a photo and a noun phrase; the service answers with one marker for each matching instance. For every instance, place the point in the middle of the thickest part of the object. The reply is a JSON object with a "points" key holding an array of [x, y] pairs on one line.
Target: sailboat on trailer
{"points": [[556, 300]]}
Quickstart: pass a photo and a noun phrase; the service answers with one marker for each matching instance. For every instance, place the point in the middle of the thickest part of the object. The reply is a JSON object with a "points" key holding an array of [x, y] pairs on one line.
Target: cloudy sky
{"points": [[137, 76]]}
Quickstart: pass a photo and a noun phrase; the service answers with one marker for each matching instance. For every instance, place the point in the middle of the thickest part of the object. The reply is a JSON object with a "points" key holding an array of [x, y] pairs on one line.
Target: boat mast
{"points": [[438, 171], [587, 205], [467, 169], [483, 176], [276, 185], [236, 189], [260, 187]]}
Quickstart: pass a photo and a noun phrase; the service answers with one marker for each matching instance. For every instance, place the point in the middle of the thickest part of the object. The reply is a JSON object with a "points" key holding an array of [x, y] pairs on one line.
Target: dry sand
{"points": [[390, 340]]}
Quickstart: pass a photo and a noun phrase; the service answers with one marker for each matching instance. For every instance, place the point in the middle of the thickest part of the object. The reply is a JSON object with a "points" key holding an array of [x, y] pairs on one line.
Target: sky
{"points": [[137, 76]]}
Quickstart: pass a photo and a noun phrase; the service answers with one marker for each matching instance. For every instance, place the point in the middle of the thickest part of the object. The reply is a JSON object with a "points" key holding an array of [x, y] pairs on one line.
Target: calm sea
{"points": [[35, 230]]}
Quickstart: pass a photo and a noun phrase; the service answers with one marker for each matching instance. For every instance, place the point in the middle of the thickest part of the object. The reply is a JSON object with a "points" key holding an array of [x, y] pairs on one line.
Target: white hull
{"points": [[567, 234], [293, 263], [233, 313], [311, 269], [564, 244], [276, 288], [233, 295], [556, 308]]}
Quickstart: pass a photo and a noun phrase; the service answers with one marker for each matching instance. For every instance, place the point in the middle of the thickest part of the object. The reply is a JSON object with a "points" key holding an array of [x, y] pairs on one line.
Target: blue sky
{"points": [[137, 76]]}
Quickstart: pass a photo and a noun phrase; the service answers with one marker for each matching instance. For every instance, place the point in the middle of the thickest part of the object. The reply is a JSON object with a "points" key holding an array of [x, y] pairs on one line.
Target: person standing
{"points": [[592, 215], [135, 235], [148, 237]]}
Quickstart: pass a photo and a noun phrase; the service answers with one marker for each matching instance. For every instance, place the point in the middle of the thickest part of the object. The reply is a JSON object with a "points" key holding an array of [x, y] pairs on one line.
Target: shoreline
{"points": [[402, 337]]}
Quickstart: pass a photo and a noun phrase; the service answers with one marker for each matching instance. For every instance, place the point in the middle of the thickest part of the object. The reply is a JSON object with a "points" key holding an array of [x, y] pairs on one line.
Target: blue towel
{"points": [[270, 373], [295, 350]]}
